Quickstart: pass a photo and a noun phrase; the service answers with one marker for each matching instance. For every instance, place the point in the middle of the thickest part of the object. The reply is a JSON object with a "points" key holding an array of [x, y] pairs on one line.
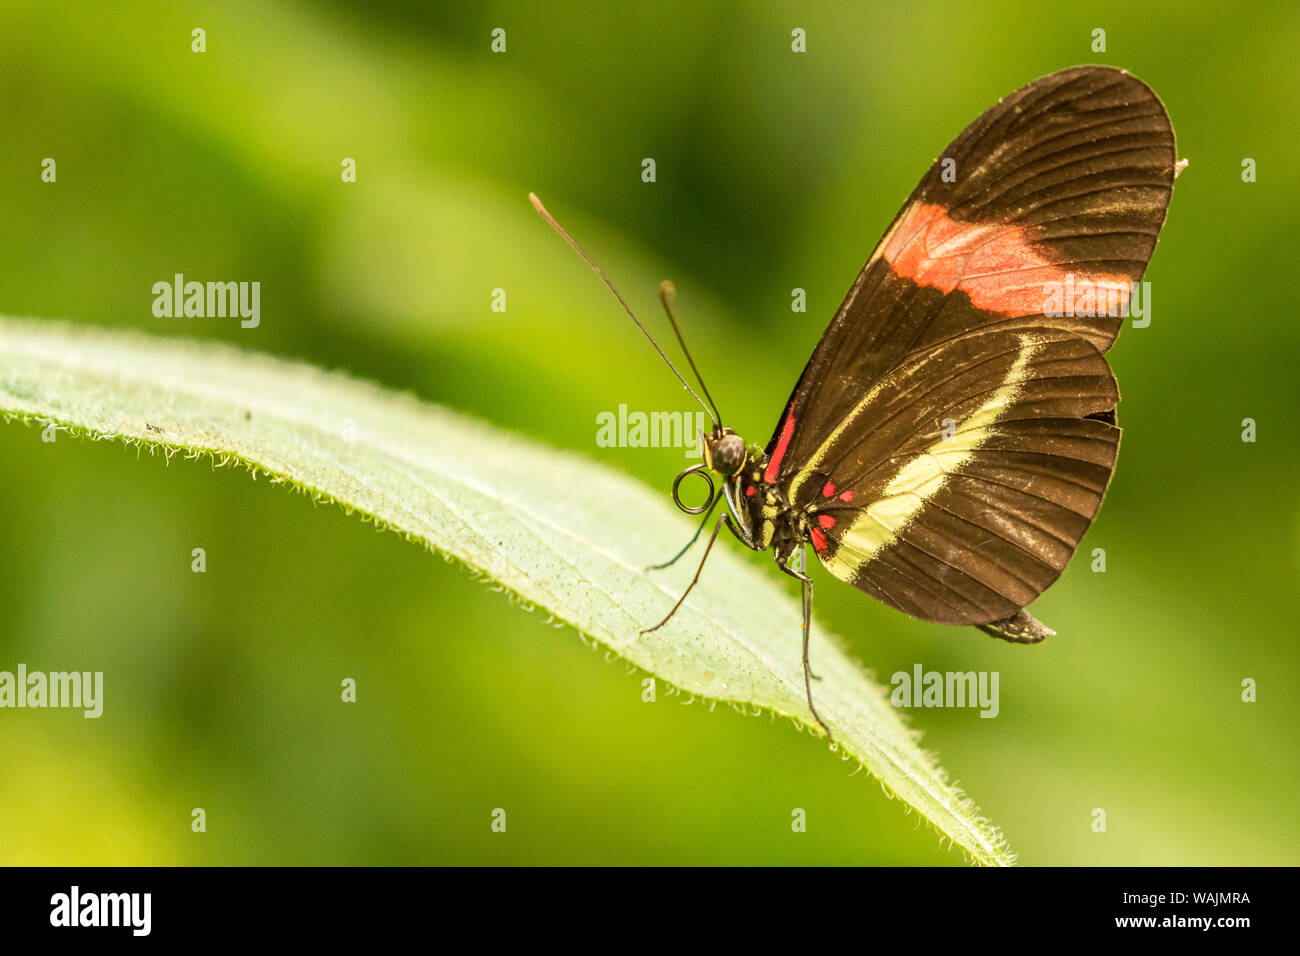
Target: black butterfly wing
{"points": [[979, 471], [1062, 185]]}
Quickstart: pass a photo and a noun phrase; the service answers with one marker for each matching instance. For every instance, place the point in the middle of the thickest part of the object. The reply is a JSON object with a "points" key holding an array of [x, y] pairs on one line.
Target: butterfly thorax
{"points": [[762, 516]]}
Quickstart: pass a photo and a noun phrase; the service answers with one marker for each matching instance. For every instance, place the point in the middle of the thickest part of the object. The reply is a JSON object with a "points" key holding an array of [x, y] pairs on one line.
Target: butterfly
{"points": [[954, 432]]}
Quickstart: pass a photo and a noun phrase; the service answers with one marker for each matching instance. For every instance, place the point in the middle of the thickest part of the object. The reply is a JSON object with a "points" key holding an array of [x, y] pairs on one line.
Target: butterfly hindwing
{"points": [[981, 469]]}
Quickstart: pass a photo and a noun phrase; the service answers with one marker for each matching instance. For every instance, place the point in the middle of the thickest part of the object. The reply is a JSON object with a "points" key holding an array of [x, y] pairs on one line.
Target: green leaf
{"points": [[563, 533]]}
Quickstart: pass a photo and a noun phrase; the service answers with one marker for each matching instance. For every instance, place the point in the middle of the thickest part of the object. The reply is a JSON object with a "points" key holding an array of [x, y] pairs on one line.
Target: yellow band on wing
{"points": [[879, 524]]}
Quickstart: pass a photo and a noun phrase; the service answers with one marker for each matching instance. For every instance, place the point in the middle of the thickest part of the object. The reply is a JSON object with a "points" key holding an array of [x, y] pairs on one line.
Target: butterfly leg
{"points": [[689, 544], [807, 626], [722, 519], [803, 566]]}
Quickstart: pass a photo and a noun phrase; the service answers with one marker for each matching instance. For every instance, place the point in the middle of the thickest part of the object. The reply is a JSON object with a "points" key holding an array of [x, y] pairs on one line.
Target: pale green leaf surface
{"points": [[563, 533]]}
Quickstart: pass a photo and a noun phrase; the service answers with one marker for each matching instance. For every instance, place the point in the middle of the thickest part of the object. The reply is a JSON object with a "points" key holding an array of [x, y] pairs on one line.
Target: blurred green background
{"points": [[774, 171]]}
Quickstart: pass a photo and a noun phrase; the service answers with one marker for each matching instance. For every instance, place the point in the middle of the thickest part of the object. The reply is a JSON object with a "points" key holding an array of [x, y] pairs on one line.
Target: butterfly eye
{"points": [[727, 455], [702, 471]]}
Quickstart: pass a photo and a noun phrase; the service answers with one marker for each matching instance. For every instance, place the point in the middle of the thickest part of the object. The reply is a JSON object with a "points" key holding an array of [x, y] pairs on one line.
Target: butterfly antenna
{"points": [[537, 204], [666, 293]]}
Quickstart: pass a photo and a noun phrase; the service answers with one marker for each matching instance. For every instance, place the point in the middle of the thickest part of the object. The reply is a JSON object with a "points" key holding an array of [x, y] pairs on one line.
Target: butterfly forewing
{"points": [[953, 433]]}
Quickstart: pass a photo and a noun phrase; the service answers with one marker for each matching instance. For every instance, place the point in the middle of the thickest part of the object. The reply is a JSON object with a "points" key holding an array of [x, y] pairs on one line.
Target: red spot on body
{"points": [[847, 495], [818, 539], [999, 265], [782, 446], [826, 521], [829, 490], [750, 491]]}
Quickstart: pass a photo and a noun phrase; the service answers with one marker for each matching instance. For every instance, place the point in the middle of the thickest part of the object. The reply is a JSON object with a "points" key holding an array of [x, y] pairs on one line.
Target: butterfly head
{"points": [[724, 451]]}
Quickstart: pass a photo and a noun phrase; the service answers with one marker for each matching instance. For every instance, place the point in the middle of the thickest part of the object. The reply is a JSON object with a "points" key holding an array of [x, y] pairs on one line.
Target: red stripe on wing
{"points": [[998, 265], [782, 446]]}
